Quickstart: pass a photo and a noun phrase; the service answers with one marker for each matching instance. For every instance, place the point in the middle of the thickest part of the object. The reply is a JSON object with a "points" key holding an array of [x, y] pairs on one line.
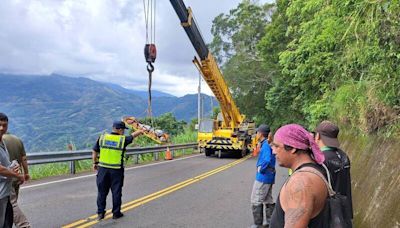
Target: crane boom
{"points": [[234, 134], [191, 28], [208, 67]]}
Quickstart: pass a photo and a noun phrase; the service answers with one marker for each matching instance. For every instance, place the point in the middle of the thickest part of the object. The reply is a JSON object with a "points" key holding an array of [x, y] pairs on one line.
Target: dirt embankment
{"points": [[375, 173]]}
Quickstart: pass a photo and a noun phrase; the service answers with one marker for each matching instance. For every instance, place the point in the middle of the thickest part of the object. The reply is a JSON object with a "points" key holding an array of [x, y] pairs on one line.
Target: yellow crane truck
{"points": [[230, 133]]}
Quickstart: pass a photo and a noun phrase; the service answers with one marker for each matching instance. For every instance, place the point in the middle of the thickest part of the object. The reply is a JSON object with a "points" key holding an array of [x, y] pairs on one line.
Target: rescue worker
{"points": [[110, 167], [265, 179]]}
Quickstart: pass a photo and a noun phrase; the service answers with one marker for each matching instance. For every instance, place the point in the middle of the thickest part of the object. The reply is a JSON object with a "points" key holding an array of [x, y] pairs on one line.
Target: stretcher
{"points": [[156, 135]]}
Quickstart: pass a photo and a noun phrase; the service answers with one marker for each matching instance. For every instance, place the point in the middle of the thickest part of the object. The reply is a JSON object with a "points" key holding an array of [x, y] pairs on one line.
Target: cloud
{"points": [[102, 40]]}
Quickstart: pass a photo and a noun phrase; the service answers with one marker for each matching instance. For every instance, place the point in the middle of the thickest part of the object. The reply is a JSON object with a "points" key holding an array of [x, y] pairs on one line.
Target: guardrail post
{"points": [[137, 159], [72, 169], [173, 154]]}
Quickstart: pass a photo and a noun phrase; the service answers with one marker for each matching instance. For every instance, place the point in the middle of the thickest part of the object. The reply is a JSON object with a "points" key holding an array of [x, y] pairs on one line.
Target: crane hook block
{"points": [[150, 68], [150, 53]]}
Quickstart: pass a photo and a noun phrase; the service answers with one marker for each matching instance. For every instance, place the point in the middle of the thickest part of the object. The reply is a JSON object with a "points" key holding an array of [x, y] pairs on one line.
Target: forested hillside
{"points": [[48, 112], [303, 61]]}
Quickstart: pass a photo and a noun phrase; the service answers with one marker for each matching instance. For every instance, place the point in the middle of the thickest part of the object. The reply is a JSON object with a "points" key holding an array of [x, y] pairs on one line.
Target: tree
{"points": [[193, 123], [166, 122], [234, 44], [215, 112], [314, 48]]}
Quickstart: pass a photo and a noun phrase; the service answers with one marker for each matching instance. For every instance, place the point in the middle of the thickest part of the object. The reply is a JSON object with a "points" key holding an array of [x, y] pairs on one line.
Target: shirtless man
{"points": [[301, 201]]}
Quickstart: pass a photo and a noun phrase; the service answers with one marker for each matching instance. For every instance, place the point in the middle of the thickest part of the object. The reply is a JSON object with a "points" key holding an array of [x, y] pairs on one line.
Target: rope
{"points": [[150, 20], [146, 18], [154, 21], [150, 69], [150, 50]]}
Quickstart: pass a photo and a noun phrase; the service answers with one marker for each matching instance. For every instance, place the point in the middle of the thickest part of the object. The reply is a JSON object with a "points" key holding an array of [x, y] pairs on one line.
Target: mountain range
{"points": [[48, 112]]}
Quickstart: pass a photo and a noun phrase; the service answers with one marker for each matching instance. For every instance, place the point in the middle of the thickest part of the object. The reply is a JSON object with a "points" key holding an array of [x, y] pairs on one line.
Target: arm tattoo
{"points": [[297, 197], [293, 215]]}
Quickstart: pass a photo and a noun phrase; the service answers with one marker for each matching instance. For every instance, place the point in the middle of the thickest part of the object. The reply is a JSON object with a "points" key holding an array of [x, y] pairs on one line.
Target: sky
{"points": [[103, 40]]}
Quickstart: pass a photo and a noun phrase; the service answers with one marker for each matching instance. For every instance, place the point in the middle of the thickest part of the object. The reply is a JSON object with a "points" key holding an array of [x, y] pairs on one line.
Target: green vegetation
{"points": [[167, 122], [235, 47], [312, 60], [56, 169], [304, 61]]}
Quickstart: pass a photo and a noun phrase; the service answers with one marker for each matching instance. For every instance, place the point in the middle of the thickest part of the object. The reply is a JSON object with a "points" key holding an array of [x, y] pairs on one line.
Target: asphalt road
{"points": [[204, 196]]}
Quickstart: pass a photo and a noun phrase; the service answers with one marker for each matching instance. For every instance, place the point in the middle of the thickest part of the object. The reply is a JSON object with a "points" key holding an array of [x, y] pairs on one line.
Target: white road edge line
{"points": [[90, 175]]}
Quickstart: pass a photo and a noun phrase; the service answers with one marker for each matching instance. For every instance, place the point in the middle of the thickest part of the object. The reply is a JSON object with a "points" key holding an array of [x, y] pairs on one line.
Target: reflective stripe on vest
{"points": [[111, 150]]}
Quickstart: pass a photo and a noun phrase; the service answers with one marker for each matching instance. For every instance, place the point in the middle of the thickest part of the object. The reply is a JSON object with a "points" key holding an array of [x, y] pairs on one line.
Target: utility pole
{"points": [[199, 102], [212, 106]]}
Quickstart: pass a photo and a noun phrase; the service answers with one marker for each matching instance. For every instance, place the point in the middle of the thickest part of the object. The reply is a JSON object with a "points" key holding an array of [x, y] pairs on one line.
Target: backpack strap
{"points": [[327, 183]]}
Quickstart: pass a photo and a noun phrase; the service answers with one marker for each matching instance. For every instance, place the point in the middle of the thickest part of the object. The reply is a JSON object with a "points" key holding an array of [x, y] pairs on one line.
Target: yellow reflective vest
{"points": [[111, 151]]}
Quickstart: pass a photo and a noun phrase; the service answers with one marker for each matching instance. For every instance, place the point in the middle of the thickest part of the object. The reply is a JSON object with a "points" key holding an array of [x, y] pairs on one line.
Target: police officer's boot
{"points": [[257, 215], [269, 208]]}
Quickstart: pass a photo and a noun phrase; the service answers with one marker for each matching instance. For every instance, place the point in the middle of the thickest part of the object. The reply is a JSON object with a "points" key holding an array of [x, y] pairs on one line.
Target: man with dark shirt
{"points": [[336, 160], [110, 167], [7, 173], [17, 152]]}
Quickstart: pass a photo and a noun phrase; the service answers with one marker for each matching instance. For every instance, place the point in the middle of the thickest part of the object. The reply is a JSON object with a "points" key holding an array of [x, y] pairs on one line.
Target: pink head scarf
{"points": [[297, 137]]}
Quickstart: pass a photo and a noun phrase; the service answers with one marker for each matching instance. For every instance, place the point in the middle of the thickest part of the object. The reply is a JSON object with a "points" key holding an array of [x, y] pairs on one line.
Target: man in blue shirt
{"points": [[265, 178]]}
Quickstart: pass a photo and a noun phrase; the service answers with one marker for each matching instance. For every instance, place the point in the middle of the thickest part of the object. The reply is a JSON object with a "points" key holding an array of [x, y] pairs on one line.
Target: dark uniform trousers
{"points": [[109, 178]]}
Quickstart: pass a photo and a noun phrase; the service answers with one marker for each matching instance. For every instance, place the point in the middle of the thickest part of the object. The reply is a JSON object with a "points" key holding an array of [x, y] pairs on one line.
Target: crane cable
{"points": [[150, 51]]}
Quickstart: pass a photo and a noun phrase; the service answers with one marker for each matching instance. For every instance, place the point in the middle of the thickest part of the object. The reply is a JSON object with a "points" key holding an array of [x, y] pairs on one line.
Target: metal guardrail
{"points": [[71, 156]]}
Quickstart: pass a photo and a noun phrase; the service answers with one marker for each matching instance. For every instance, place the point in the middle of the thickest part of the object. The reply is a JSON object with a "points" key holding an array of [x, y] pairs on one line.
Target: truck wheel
{"points": [[242, 152], [207, 152]]}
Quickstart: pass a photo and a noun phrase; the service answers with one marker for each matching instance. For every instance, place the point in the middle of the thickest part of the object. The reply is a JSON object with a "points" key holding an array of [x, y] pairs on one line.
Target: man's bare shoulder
{"points": [[297, 200], [302, 197], [310, 178], [300, 183]]}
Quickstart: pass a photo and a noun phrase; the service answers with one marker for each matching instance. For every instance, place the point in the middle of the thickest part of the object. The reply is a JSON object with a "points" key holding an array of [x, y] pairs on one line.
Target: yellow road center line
{"points": [[75, 223], [143, 200], [151, 196]]}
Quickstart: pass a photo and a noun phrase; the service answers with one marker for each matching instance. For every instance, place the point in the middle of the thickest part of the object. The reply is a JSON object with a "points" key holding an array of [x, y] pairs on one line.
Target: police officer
{"points": [[110, 167]]}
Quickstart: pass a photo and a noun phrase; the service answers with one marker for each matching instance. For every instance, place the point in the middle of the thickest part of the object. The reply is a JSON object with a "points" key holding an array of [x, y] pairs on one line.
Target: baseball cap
{"points": [[119, 125], [263, 128], [329, 133]]}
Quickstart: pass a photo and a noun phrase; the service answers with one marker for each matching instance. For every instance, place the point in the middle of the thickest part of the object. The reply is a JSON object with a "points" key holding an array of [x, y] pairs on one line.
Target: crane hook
{"points": [[150, 67]]}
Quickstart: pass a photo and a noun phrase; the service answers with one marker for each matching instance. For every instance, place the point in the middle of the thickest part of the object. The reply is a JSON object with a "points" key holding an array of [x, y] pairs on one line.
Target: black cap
{"points": [[329, 133], [119, 125], [263, 128]]}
